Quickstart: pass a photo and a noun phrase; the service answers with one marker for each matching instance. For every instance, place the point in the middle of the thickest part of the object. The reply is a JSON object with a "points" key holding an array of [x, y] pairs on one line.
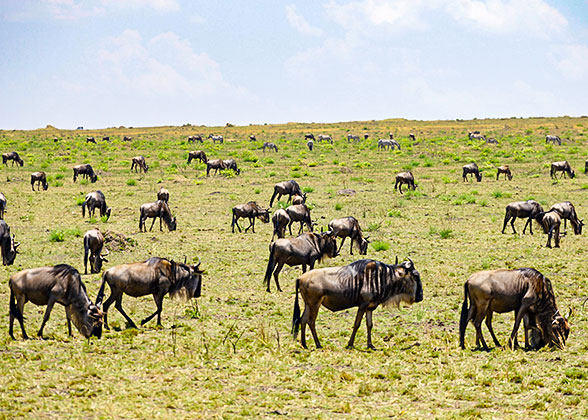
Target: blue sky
{"points": [[106, 63]]}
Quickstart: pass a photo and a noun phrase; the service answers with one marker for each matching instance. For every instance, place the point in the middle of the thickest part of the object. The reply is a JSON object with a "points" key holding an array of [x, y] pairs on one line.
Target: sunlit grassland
{"points": [[230, 354]]}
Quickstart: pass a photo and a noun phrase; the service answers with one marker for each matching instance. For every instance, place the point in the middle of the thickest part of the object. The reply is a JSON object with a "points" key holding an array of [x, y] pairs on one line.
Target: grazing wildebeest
{"points": [[55, 139], [404, 178], [529, 209], [93, 244], [503, 170], [157, 277], [96, 200], [475, 135], [563, 167], [384, 144], [299, 199], [154, 210], [90, 140], [412, 137], [269, 145], [49, 285], [195, 138], [304, 250], [552, 139], [567, 211], [138, 163], [349, 227], [13, 156], [471, 168], [366, 136], [325, 137], [526, 292], [310, 145], [163, 195], [2, 205], [252, 137], [551, 223], [299, 213], [106, 138], [309, 137], [214, 138], [251, 210], [127, 138], [9, 247], [86, 171], [280, 221], [232, 165], [491, 140], [215, 164], [353, 137], [289, 188], [41, 179], [364, 283], [197, 154]]}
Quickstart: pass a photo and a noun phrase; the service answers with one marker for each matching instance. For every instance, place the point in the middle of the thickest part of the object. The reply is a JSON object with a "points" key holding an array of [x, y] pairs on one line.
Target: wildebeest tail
{"points": [[296, 314], [270, 267], [13, 308], [463, 320], [273, 196]]}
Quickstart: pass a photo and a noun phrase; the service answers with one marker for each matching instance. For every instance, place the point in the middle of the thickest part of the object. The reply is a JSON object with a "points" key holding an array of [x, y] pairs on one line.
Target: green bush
{"points": [[57, 236], [380, 246], [131, 182]]}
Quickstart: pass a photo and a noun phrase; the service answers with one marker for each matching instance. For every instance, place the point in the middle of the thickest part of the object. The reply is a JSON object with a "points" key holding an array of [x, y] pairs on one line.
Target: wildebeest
{"points": [[86, 171], [197, 154], [214, 138], [195, 138], [529, 210], [471, 168], [299, 213], [475, 135], [404, 178], [552, 139], [304, 250], [309, 137], [138, 163], [96, 200], [215, 164], [348, 227], [252, 137], [49, 285], [7, 244], [384, 144], [106, 138], [127, 138], [2, 205], [563, 167], [299, 199], [41, 179], [289, 188], [13, 156], [366, 136], [412, 137], [325, 137], [157, 277], [353, 137], [366, 284], [551, 223], [567, 211], [93, 244], [90, 140], [231, 164], [280, 220], [163, 195], [503, 170], [154, 210], [271, 146], [310, 145], [251, 210], [526, 292], [491, 140]]}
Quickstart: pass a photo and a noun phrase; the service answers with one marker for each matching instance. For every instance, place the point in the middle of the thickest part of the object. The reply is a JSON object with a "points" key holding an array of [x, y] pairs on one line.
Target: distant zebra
{"points": [[552, 139], [325, 137], [271, 146], [214, 138], [352, 137]]}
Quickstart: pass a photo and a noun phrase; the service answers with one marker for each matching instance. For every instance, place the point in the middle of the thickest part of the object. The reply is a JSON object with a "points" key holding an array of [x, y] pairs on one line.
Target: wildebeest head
{"points": [[87, 320], [363, 245], [9, 254], [96, 261], [264, 216], [172, 224], [107, 213], [329, 244], [188, 281], [93, 178], [45, 185], [405, 271], [479, 177]]}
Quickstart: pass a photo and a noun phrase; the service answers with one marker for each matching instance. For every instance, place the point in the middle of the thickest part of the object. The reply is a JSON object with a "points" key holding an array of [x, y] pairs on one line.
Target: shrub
{"points": [[131, 182], [338, 206], [59, 176], [380, 246], [446, 233], [307, 189], [57, 236], [394, 213]]}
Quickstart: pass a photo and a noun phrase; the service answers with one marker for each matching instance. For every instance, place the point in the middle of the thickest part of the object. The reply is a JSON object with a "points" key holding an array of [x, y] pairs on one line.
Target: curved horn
{"points": [[396, 263], [185, 259], [107, 252], [197, 265], [411, 263], [555, 315], [569, 313]]}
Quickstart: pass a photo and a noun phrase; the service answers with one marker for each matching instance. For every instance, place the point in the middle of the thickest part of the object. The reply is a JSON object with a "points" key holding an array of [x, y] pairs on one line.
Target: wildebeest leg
{"points": [[480, 315], [400, 188], [68, 317], [46, 316], [557, 236], [489, 325], [358, 317], [154, 219], [233, 223], [20, 302], [301, 227], [106, 305], [290, 226], [506, 219], [158, 298], [86, 249], [118, 305], [519, 315], [279, 266], [529, 224], [369, 324], [549, 235], [251, 224]]}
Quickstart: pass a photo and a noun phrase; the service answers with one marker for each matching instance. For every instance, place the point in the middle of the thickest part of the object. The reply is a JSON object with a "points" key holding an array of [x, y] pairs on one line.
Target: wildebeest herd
{"points": [[365, 283]]}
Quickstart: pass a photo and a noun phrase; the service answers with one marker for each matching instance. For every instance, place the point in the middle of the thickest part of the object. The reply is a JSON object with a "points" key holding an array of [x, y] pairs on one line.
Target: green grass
{"points": [[229, 354]]}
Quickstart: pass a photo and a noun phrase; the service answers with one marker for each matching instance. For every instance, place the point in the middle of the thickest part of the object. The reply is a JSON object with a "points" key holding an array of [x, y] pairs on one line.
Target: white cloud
{"points": [[299, 23], [572, 60]]}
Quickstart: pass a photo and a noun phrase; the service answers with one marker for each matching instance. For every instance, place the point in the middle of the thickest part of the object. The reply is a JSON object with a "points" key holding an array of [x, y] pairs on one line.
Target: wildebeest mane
{"points": [[64, 270], [369, 276]]}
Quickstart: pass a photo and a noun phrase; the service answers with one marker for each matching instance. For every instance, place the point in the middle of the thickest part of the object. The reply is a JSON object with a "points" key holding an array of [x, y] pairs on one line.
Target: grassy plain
{"points": [[230, 354]]}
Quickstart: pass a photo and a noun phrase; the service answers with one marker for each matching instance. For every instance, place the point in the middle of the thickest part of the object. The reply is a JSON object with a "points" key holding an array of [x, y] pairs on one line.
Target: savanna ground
{"points": [[230, 355]]}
